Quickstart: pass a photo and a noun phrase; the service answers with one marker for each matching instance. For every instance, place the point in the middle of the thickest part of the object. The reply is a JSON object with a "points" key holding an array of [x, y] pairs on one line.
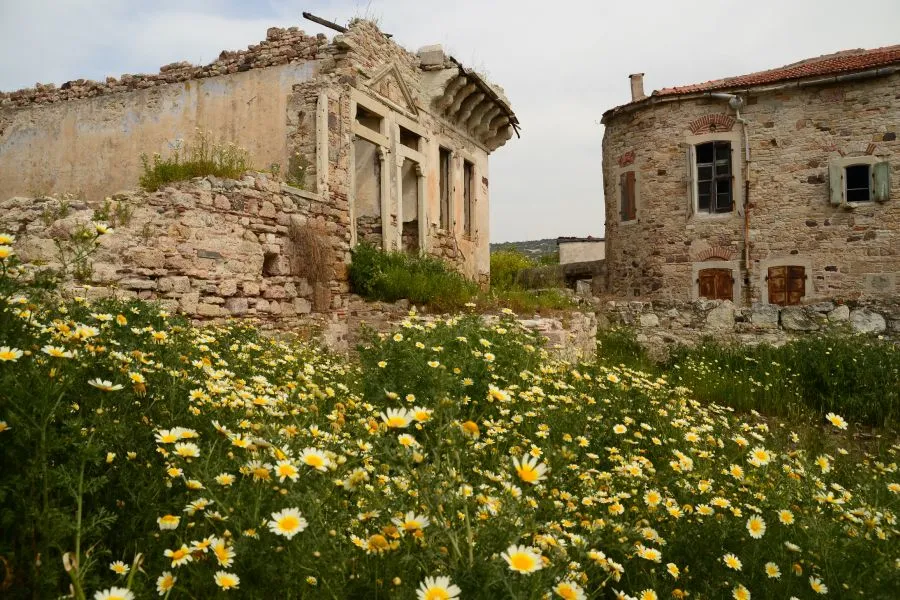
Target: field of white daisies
{"points": [[146, 458]]}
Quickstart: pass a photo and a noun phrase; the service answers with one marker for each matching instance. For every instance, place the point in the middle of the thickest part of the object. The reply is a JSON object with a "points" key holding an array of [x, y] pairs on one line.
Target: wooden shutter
{"points": [[835, 183], [796, 284], [881, 181], [777, 285], [716, 284], [691, 179], [629, 209]]}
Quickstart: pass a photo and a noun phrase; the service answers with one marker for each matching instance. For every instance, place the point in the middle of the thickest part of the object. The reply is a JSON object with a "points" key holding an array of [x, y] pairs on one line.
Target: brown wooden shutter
{"points": [[777, 285], [632, 207], [796, 284], [716, 284]]}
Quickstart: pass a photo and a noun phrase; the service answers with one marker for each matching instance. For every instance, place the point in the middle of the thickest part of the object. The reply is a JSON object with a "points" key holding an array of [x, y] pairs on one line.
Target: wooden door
{"points": [[716, 284], [787, 285]]}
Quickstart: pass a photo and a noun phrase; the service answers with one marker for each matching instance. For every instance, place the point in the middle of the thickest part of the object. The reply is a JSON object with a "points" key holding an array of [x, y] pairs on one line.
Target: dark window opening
{"points": [[858, 183], [444, 168], [468, 197], [628, 209], [787, 285], [409, 139], [714, 178], [367, 118]]}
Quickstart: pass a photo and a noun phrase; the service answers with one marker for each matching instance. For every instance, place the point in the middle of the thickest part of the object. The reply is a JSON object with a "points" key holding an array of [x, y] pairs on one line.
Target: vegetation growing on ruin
{"points": [[198, 157], [425, 280], [856, 375], [147, 458]]}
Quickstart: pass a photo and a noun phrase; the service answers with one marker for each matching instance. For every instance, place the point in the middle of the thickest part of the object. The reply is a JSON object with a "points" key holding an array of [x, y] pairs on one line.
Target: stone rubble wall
{"points": [[662, 324], [572, 336], [850, 253], [281, 46], [208, 248]]}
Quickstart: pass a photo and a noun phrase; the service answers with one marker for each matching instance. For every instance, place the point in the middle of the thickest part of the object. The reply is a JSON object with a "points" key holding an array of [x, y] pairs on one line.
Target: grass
{"points": [[141, 452], [425, 280], [857, 376], [198, 157]]}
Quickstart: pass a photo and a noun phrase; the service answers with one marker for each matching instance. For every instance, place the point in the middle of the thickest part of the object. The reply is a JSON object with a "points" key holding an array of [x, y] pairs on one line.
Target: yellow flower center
{"points": [[437, 594], [396, 422], [180, 553], [527, 474], [567, 592], [314, 460], [521, 562], [289, 523]]}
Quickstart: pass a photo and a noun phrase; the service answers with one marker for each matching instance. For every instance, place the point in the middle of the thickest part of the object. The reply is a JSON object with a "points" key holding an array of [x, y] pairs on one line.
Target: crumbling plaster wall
{"points": [[793, 134], [87, 137]]}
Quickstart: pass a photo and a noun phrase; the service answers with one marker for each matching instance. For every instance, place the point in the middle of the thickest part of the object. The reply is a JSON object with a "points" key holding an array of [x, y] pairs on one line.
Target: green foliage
{"points": [[197, 158], [853, 375], [298, 170], [391, 276], [214, 426], [115, 213], [505, 268]]}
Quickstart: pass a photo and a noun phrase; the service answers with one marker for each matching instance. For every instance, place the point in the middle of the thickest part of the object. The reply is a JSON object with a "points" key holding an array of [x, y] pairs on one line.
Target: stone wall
{"points": [[572, 336], [662, 324], [849, 252], [208, 248]]}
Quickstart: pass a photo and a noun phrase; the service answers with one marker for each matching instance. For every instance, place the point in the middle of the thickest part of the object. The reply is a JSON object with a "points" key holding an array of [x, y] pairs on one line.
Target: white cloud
{"points": [[562, 64]]}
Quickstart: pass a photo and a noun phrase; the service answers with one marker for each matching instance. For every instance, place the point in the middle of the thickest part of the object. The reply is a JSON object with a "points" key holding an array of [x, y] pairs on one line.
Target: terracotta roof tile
{"points": [[847, 61]]}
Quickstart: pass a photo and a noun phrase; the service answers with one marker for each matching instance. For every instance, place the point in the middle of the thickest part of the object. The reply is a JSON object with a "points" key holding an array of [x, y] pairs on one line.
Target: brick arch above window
{"points": [[715, 253], [711, 123]]}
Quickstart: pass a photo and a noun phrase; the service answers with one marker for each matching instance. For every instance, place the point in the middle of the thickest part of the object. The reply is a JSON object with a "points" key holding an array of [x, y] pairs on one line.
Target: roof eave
{"points": [[656, 98]]}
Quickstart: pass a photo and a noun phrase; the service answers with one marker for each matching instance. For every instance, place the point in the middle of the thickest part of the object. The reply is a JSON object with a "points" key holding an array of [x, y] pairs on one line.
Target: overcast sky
{"points": [[561, 63]]}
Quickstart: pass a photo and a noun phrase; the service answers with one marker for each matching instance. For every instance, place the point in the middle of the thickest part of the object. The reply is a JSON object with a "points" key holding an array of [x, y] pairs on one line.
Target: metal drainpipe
{"points": [[736, 102]]}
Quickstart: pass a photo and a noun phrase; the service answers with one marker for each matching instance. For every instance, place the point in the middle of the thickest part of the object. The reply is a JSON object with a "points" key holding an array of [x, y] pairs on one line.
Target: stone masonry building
{"points": [[778, 187], [393, 145]]}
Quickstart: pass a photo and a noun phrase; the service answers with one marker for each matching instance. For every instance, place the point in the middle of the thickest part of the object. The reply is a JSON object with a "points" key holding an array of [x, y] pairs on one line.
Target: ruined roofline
{"points": [[281, 46]]}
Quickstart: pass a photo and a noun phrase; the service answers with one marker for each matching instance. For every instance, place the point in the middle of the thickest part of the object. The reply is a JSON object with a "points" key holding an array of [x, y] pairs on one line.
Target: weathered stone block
{"points": [[795, 318], [840, 313], [177, 284], [228, 287], [250, 288], [721, 318], [866, 321], [148, 258], [236, 306], [649, 320], [188, 302], [210, 310], [764, 316], [138, 284]]}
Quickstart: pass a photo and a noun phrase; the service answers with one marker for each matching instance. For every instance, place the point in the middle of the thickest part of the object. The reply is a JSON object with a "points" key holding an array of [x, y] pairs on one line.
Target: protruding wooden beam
{"points": [[324, 22]]}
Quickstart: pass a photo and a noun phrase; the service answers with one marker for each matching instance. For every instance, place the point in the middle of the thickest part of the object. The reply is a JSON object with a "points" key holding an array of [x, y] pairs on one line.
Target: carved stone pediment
{"points": [[389, 85]]}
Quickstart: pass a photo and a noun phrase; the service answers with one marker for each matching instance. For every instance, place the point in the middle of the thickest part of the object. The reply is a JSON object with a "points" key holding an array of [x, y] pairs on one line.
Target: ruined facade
{"points": [[393, 145], [779, 187]]}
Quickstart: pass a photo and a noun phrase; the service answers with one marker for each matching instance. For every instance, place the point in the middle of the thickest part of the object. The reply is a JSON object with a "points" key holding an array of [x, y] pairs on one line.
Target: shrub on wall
{"points": [[198, 157], [506, 266], [392, 276]]}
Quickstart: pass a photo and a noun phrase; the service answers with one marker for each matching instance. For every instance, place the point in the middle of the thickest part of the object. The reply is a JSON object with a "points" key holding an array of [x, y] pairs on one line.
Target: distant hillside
{"points": [[532, 248]]}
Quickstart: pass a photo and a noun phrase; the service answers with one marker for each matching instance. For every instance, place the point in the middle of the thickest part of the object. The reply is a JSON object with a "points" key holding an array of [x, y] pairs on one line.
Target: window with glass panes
{"points": [[714, 178]]}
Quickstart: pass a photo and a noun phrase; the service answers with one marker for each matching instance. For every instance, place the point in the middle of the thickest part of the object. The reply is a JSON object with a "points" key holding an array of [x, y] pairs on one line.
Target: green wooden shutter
{"points": [[881, 181], [691, 182], [836, 183]]}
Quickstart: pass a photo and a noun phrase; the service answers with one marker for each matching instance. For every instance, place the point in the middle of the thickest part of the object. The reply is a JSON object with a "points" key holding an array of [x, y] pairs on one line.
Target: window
{"points": [[858, 183], [444, 176], [858, 179], [787, 285], [468, 198], [367, 118], [409, 139], [627, 206], [716, 284], [714, 178]]}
